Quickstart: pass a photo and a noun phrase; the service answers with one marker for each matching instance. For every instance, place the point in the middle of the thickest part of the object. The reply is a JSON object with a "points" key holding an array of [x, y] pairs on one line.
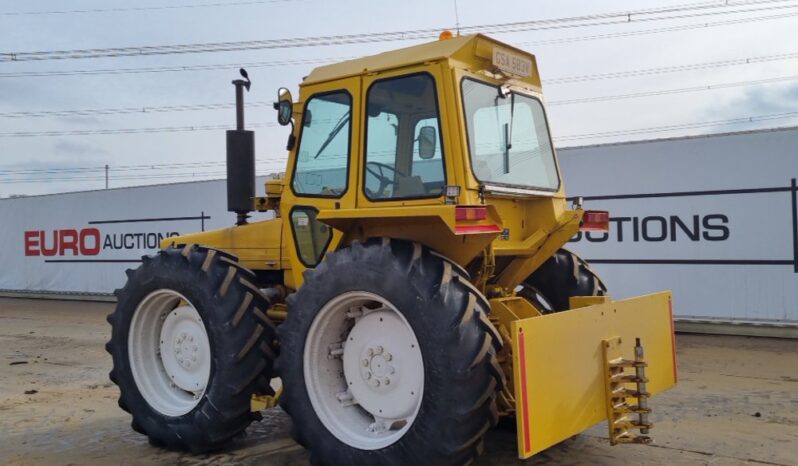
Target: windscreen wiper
{"points": [[508, 135], [337, 129]]}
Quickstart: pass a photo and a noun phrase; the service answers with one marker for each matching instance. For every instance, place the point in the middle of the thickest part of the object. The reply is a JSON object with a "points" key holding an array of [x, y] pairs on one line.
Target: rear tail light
{"points": [[595, 220], [465, 213]]}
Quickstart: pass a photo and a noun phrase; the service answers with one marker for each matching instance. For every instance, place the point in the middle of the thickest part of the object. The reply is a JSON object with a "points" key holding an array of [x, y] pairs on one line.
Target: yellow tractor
{"points": [[411, 287]]}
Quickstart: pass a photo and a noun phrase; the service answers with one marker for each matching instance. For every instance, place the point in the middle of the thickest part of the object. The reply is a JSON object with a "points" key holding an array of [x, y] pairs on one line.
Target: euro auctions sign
{"points": [[89, 242], [83, 242], [714, 219]]}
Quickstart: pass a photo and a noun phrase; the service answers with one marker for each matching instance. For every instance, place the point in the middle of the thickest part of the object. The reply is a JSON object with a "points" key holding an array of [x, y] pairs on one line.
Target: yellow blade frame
{"points": [[558, 364]]}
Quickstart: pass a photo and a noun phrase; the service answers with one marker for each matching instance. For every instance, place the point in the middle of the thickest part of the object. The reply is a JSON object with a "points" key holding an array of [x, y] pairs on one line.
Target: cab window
{"points": [[404, 155], [323, 152], [310, 235]]}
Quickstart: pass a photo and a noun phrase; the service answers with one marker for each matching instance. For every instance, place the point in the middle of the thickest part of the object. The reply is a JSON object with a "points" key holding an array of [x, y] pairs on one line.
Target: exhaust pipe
{"points": [[240, 159]]}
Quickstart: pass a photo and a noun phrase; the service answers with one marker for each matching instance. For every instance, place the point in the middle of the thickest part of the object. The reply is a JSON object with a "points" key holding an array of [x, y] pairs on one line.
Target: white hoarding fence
{"points": [[83, 242], [712, 218]]}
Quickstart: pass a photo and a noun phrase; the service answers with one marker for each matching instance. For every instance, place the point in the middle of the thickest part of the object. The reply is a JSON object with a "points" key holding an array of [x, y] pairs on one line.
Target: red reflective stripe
{"points": [[472, 229], [673, 341], [524, 398]]}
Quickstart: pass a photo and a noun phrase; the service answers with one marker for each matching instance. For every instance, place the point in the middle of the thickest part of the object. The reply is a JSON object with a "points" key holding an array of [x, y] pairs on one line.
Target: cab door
{"points": [[320, 171], [404, 155]]}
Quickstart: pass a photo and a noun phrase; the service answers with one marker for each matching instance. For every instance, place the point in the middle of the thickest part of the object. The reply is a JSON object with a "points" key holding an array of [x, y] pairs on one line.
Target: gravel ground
{"points": [[736, 404]]}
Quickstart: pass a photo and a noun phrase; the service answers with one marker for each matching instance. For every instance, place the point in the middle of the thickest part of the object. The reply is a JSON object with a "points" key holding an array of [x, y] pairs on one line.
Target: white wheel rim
{"points": [[363, 370], [169, 352]]}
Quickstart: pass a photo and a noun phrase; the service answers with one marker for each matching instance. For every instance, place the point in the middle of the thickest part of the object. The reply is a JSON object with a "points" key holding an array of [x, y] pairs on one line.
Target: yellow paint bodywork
{"points": [[555, 361], [257, 245], [558, 364]]}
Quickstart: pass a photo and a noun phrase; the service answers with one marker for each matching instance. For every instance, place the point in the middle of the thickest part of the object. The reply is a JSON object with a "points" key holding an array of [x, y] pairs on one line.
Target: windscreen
{"points": [[508, 138]]}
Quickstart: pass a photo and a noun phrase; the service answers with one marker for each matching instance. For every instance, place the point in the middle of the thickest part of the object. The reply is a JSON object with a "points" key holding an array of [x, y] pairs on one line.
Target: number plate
{"points": [[512, 63]]}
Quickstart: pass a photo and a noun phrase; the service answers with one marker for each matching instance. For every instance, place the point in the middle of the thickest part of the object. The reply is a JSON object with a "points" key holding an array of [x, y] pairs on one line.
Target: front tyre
{"points": [[191, 344], [563, 276], [388, 358]]}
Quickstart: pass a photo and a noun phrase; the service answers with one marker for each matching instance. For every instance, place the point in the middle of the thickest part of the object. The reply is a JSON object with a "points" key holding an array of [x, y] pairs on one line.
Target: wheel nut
{"points": [[387, 381], [387, 356], [365, 363], [370, 352], [375, 382], [378, 350]]}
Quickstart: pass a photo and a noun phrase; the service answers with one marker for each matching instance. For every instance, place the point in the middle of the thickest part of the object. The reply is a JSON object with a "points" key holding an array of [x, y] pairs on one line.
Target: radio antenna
{"points": [[456, 18]]}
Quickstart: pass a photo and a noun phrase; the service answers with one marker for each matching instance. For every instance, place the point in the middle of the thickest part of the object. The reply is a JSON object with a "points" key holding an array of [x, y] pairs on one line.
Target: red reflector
{"points": [[470, 213], [595, 220], [476, 229]]}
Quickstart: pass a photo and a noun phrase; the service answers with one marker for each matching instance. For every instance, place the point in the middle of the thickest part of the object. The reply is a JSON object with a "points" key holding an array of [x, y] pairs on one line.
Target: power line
{"points": [[548, 82], [671, 69], [316, 61], [141, 8], [596, 135], [129, 110], [167, 69], [117, 178], [666, 128], [124, 168], [165, 129], [640, 32], [601, 19], [708, 87]]}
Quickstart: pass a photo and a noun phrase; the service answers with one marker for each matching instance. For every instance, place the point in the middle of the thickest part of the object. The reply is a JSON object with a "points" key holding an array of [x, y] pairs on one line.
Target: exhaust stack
{"points": [[240, 159]]}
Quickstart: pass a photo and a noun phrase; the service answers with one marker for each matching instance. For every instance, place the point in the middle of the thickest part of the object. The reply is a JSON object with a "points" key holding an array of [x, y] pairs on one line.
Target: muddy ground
{"points": [[736, 404]]}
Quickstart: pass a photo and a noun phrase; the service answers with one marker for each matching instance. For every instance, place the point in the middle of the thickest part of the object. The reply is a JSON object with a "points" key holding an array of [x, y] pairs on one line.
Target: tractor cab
{"points": [[458, 122]]}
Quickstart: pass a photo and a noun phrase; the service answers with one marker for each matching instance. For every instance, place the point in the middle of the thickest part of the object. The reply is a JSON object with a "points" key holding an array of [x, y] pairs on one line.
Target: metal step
{"points": [[625, 383]]}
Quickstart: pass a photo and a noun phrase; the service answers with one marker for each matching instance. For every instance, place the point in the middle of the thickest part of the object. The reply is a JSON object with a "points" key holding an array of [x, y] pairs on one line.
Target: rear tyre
{"points": [[564, 275], [388, 358], [190, 344]]}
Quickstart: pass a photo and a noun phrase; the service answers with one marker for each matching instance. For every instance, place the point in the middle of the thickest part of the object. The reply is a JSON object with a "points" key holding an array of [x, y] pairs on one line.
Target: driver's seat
{"points": [[409, 186]]}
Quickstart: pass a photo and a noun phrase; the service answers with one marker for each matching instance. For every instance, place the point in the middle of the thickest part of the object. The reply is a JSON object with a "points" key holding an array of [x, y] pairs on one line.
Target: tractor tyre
{"points": [[562, 276], [191, 344], [388, 358]]}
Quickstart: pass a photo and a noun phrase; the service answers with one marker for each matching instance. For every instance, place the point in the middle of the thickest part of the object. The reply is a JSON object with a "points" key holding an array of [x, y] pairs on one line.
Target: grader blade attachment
{"points": [[576, 368]]}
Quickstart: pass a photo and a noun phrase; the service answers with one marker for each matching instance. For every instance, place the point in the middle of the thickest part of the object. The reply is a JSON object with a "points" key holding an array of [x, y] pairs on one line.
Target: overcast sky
{"points": [[241, 20]]}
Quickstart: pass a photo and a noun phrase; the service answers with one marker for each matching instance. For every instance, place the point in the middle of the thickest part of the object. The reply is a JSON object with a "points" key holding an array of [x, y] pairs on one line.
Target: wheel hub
{"points": [[185, 350], [377, 370], [379, 351]]}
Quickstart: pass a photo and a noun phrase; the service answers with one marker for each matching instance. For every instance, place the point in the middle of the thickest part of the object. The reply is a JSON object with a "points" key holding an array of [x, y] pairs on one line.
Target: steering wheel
{"points": [[378, 173]]}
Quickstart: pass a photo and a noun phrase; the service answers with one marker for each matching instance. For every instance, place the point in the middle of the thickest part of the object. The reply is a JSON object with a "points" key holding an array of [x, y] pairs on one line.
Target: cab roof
{"points": [[475, 51]]}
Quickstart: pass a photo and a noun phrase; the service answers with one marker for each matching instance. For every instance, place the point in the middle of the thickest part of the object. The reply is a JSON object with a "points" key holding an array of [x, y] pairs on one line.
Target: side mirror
{"points": [[284, 106], [427, 139]]}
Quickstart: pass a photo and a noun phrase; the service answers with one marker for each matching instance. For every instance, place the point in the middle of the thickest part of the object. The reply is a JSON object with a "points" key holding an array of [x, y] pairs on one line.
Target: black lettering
{"points": [[619, 225], [576, 238], [108, 244], [604, 236], [125, 237], [721, 230], [692, 234], [635, 229], [663, 228]]}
